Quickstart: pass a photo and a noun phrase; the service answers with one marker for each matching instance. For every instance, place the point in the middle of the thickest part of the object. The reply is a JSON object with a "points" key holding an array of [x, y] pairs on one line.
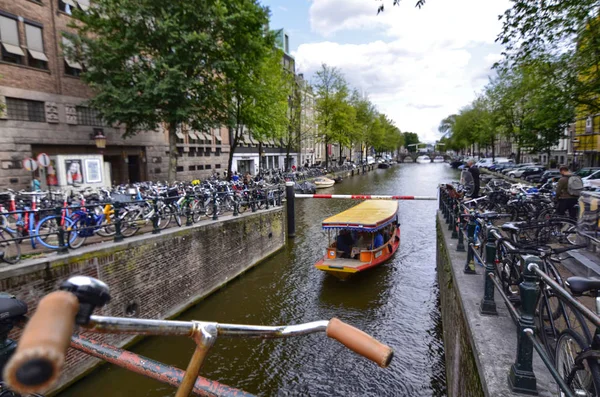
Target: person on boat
{"points": [[378, 240], [344, 243]]}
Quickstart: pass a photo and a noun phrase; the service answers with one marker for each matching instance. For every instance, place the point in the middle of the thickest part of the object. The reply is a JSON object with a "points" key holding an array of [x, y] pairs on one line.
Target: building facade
{"points": [[44, 111]]}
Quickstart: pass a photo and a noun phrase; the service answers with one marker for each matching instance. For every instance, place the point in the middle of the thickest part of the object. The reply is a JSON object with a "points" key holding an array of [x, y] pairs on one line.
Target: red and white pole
{"points": [[364, 197]]}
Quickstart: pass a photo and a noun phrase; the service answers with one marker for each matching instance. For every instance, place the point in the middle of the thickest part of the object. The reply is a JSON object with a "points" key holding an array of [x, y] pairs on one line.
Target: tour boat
{"points": [[423, 159], [357, 228], [323, 182], [438, 159]]}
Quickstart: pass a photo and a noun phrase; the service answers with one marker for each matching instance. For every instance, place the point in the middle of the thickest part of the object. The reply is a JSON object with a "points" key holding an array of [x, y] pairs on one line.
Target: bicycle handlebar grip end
{"points": [[41, 350], [360, 342]]}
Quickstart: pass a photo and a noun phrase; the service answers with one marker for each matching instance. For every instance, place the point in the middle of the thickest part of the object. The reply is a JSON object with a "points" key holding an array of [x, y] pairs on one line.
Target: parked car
{"points": [[542, 178], [506, 171], [532, 171], [592, 180], [501, 166], [587, 171], [370, 160]]}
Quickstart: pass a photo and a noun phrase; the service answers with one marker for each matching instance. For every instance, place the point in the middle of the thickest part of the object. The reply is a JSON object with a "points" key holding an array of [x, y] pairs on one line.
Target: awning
{"points": [[218, 135], [84, 4], [206, 137], [193, 135], [74, 65], [13, 49], [38, 55], [251, 140], [180, 135], [70, 2]]}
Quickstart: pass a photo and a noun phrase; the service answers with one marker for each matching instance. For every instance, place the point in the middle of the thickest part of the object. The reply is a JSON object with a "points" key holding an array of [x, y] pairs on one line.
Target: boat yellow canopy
{"points": [[370, 215]]}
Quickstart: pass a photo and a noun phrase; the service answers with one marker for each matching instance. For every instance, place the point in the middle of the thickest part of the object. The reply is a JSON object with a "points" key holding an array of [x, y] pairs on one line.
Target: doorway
{"points": [[133, 165]]}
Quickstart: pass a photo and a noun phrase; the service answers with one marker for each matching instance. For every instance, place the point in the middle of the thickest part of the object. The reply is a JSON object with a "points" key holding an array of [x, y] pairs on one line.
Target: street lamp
{"points": [[100, 139]]}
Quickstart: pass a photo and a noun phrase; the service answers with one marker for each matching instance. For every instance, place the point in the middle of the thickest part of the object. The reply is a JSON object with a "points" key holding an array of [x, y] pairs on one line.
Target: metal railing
{"points": [[521, 377]]}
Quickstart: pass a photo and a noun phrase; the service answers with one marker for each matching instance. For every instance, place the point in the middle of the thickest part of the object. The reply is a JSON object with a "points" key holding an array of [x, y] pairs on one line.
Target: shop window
{"points": [[88, 116], [180, 168], [22, 109], [9, 36], [35, 47]]}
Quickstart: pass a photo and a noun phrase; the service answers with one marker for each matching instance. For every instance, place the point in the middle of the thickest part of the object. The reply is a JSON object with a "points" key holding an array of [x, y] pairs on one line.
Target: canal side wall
{"points": [[153, 276], [479, 349]]}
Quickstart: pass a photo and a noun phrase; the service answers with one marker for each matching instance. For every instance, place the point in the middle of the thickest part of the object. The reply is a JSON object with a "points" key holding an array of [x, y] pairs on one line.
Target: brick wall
{"points": [[161, 275]]}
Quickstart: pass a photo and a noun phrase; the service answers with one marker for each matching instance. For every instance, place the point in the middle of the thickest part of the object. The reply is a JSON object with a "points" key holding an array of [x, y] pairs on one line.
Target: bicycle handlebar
{"points": [[41, 350]]}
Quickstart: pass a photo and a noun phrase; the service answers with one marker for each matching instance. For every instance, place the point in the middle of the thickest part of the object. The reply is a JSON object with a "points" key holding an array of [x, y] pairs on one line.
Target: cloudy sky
{"points": [[416, 65]]}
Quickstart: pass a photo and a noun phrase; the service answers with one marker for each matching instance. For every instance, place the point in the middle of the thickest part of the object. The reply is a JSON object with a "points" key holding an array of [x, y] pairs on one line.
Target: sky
{"points": [[416, 65]]}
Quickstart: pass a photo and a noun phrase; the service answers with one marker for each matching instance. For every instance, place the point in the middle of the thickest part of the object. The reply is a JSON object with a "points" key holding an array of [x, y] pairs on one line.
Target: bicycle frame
{"points": [[202, 332]]}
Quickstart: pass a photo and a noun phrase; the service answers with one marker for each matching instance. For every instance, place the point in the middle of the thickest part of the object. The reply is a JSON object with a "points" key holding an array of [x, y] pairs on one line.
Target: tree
{"points": [[331, 91], [410, 140], [365, 118], [381, 8], [152, 63]]}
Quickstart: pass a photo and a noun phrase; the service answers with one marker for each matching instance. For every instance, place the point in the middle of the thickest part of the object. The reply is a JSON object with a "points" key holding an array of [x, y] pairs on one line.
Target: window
{"points": [[35, 47], [200, 167], [9, 36], [207, 167], [218, 151], [192, 168], [66, 6], [180, 168], [217, 165], [22, 109], [88, 116], [72, 68]]}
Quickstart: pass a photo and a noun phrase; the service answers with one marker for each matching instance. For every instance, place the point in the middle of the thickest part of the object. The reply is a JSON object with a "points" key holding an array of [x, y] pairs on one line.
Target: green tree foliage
{"points": [[411, 139], [168, 63]]}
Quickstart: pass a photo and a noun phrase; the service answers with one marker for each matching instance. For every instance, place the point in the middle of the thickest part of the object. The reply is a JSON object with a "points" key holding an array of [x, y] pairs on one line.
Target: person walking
{"points": [[474, 170], [568, 190]]}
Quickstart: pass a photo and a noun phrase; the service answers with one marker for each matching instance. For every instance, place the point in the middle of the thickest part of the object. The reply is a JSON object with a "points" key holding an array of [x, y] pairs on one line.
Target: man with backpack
{"points": [[568, 190]]}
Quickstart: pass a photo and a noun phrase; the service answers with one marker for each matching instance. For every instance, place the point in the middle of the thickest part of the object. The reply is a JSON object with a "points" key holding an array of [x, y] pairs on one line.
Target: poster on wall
{"points": [[93, 172], [51, 179], [74, 174]]}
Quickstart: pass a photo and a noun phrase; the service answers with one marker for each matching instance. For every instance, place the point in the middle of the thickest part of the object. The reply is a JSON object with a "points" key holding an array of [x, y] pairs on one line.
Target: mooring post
{"points": [[521, 378], [290, 195], [488, 305]]}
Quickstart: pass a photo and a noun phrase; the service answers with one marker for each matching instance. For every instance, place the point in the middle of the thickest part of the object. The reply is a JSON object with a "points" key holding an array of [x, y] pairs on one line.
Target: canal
{"points": [[397, 303]]}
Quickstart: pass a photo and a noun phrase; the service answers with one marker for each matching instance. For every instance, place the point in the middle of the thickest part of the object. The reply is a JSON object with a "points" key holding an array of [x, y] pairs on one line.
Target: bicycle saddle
{"points": [[512, 226], [11, 308], [579, 285]]}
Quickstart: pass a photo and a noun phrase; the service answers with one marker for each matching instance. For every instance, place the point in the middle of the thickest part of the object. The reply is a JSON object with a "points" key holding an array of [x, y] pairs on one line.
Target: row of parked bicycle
{"points": [[55, 220], [503, 231]]}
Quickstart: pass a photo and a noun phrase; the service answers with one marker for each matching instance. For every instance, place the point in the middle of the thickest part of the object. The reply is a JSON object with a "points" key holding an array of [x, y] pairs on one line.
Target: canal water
{"points": [[396, 302]]}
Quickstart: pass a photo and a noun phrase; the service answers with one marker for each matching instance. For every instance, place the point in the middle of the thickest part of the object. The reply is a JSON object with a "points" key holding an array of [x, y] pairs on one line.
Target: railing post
{"points": [[155, 218], [62, 246], [521, 378], [236, 204], [117, 217], [460, 247], [188, 214], [447, 208], [253, 201], [488, 305], [215, 216], [291, 216], [451, 224], [267, 200], [440, 196], [278, 197], [470, 265]]}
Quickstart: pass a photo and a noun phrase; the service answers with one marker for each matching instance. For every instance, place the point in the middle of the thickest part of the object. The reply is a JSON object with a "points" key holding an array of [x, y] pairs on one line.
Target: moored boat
{"points": [[438, 159], [323, 182], [423, 159], [384, 165], [365, 236]]}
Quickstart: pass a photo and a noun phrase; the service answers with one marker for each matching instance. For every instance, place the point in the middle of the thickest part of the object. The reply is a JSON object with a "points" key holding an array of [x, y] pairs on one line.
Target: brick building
{"points": [[44, 111]]}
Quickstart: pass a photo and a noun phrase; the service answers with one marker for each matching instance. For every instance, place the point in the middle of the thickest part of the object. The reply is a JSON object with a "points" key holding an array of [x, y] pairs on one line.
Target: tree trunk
{"points": [[260, 156], [518, 153], [172, 172], [350, 157], [326, 152], [287, 155], [340, 156], [362, 149], [493, 147], [233, 139]]}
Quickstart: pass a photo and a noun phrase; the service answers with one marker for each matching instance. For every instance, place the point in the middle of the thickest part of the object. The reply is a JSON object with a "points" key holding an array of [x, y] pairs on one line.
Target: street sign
{"points": [[43, 160], [30, 164]]}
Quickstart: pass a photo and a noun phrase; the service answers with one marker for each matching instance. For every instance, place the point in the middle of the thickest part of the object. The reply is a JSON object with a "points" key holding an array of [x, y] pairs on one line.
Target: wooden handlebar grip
{"points": [[360, 342], [41, 350]]}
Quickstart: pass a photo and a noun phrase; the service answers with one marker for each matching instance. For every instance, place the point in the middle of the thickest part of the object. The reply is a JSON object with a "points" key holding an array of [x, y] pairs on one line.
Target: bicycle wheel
{"points": [[79, 231], [580, 377], [10, 251], [165, 215], [47, 231], [176, 213], [129, 223], [559, 230]]}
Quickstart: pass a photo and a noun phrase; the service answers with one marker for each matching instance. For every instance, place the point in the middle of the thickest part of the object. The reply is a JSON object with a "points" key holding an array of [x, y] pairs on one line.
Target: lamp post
{"points": [[100, 140]]}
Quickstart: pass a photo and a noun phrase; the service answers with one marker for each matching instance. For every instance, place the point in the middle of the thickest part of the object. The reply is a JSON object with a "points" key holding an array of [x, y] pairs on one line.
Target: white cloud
{"points": [[282, 8], [426, 63]]}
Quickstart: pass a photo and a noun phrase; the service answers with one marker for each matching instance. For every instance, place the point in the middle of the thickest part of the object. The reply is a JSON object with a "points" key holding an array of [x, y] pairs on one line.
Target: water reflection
{"points": [[396, 302]]}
